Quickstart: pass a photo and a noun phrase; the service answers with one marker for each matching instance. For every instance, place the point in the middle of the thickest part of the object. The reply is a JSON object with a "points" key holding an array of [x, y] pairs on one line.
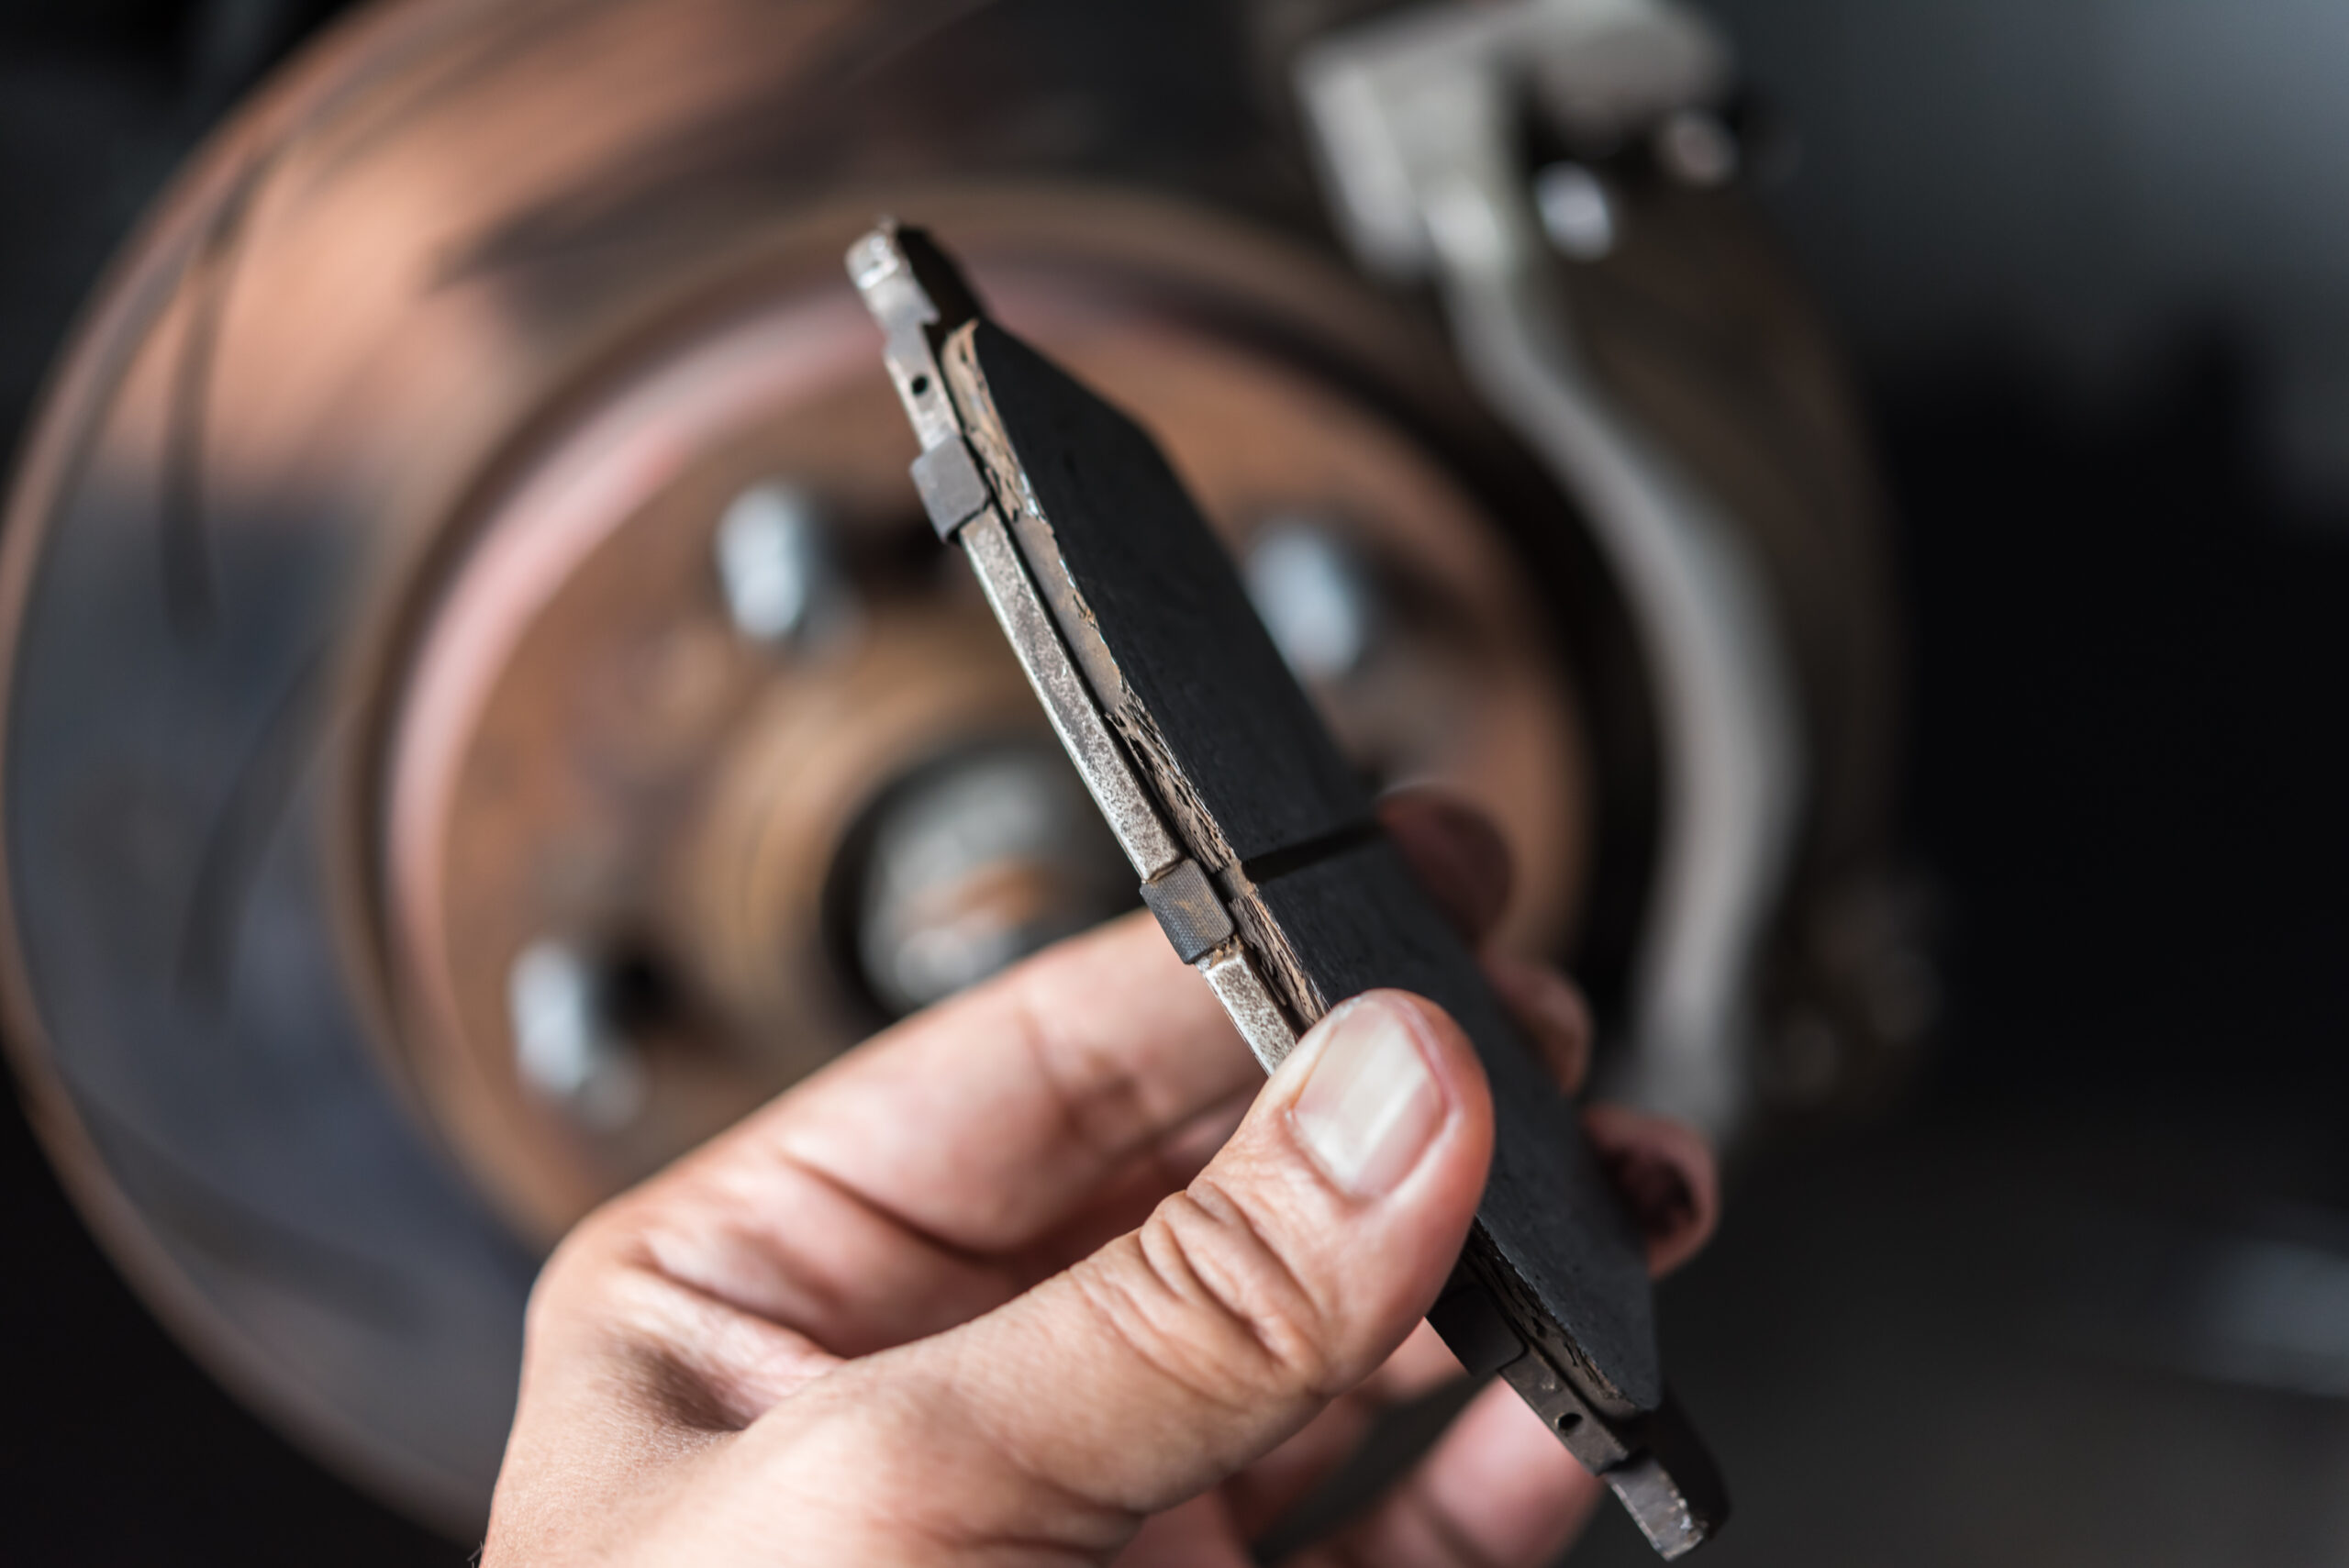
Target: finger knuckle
{"points": [[588, 1280], [565, 1280]]}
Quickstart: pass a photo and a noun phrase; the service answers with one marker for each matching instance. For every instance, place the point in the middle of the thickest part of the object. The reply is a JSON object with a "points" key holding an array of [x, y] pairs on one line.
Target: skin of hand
{"points": [[1050, 1274]]}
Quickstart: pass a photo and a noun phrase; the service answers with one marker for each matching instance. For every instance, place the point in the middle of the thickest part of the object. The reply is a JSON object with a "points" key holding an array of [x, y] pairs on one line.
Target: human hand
{"points": [[1051, 1273]]}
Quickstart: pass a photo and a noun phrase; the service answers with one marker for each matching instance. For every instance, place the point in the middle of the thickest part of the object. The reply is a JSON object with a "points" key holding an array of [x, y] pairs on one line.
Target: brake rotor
{"points": [[592, 759]]}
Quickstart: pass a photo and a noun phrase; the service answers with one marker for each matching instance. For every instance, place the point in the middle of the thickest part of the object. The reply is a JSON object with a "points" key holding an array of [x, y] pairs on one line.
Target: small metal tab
{"points": [[953, 491], [1189, 913], [1669, 1487], [1473, 1329], [1657, 1507], [918, 297]]}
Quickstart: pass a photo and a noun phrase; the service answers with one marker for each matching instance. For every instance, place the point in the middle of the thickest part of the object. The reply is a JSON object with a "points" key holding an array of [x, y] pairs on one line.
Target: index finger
{"points": [[986, 1121], [892, 1194]]}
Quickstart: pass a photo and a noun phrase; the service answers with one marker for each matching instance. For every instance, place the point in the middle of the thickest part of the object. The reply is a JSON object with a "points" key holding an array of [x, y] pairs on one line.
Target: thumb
{"points": [[1285, 1273]]}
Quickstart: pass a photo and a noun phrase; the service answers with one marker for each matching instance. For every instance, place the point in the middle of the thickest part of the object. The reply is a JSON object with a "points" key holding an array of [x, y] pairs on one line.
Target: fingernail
{"points": [[1372, 1102]]}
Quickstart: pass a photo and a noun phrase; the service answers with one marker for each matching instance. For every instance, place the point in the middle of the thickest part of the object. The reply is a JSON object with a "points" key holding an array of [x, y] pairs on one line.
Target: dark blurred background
{"points": [[2085, 1297]]}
